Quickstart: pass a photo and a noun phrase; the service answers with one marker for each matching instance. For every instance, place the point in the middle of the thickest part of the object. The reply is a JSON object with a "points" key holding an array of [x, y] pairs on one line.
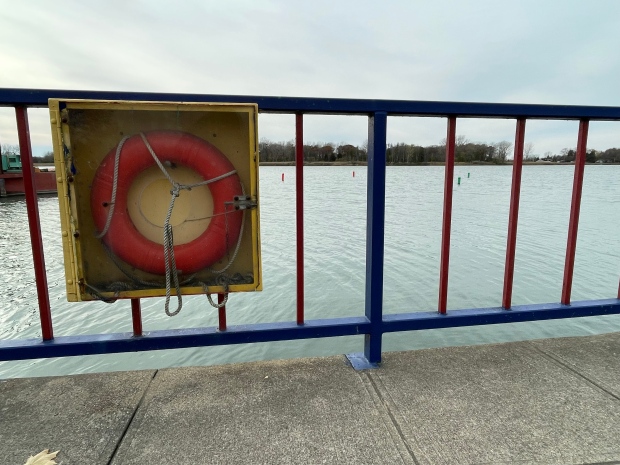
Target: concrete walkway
{"points": [[553, 401]]}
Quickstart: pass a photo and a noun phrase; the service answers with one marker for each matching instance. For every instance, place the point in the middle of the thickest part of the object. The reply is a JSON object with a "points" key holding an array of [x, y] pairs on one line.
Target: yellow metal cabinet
{"points": [[119, 164]]}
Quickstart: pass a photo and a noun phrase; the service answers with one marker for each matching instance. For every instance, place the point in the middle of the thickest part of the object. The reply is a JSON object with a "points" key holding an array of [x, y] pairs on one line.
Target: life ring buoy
{"points": [[177, 148]]}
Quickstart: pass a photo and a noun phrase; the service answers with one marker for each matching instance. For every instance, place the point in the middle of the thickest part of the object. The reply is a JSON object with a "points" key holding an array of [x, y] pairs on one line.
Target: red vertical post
{"points": [[136, 317], [299, 209], [221, 313], [573, 225], [511, 245], [34, 223], [447, 216]]}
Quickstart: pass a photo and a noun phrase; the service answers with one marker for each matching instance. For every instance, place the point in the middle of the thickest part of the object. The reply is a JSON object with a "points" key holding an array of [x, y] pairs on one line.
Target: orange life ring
{"points": [[171, 147]]}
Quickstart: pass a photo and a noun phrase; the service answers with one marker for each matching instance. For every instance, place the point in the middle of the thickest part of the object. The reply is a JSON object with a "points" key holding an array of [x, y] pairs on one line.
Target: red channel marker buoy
{"points": [[282, 177], [353, 173]]}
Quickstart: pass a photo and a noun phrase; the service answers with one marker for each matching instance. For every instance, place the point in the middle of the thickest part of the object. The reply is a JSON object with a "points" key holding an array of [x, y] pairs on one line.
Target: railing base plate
{"points": [[359, 362]]}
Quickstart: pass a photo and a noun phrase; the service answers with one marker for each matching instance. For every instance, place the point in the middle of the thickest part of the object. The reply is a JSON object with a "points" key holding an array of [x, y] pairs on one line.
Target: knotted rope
{"points": [[172, 274]]}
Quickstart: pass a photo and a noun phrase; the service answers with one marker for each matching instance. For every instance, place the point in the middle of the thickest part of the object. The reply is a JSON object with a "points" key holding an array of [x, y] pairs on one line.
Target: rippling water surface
{"points": [[335, 230]]}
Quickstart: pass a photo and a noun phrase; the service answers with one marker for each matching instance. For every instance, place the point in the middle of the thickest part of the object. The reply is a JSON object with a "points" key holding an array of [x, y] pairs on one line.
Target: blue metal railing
{"points": [[374, 324]]}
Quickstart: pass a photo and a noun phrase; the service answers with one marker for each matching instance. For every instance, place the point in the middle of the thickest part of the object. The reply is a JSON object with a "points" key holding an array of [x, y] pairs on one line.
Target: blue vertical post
{"points": [[375, 234]]}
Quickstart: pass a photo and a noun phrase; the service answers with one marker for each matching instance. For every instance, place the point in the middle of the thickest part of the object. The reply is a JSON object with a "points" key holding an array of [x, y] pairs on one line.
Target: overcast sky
{"points": [[559, 52]]}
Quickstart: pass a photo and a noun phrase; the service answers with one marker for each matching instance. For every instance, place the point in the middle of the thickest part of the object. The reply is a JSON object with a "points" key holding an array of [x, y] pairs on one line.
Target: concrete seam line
{"points": [[372, 387], [397, 437], [564, 364], [390, 403], [615, 462], [130, 422]]}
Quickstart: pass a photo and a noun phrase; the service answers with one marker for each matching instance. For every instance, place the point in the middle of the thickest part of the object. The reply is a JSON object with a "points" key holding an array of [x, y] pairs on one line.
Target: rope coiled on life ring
{"points": [[109, 205]]}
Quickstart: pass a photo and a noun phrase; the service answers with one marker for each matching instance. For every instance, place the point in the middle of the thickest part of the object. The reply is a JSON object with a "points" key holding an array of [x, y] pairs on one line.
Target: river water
{"points": [[335, 230]]}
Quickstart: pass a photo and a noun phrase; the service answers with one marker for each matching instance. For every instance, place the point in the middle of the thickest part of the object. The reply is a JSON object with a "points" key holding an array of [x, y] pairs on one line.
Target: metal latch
{"points": [[243, 202]]}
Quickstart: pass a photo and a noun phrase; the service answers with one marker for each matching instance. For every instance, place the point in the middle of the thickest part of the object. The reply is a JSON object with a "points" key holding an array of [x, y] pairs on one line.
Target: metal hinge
{"points": [[243, 202]]}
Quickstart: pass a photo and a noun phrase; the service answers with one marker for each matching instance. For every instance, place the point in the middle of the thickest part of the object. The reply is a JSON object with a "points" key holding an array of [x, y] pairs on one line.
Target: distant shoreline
{"points": [[507, 163]]}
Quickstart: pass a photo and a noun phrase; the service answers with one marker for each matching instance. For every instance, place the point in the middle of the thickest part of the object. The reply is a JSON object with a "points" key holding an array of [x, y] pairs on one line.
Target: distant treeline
{"points": [[401, 153], [592, 156], [411, 154]]}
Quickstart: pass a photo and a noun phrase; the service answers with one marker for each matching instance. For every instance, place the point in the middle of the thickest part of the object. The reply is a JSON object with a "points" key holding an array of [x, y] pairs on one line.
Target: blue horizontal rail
{"points": [[66, 346], [267, 104], [374, 323]]}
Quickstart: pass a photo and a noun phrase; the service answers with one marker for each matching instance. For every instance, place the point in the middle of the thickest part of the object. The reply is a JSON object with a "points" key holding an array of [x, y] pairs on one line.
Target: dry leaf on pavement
{"points": [[44, 457]]}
